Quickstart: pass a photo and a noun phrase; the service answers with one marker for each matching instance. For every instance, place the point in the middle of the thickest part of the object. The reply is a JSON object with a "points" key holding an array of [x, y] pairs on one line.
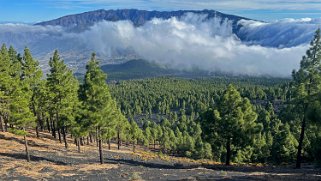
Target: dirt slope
{"points": [[50, 161]]}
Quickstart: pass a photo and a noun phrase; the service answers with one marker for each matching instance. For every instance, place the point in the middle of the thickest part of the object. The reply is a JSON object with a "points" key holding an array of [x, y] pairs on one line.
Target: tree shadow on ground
{"points": [[258, 176], [234, 168], [21, 156], [21, 141], [265, 169], [132, 162]]}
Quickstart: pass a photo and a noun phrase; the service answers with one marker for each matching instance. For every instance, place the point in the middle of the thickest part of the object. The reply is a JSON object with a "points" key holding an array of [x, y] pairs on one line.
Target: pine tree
{"points": [[21, 117], [122, 125], [63, 94], [134, 133], [20, 114], [306, 86], [96, 101], [6, 82], [154, 134], [284, 145], [148, 136], [235, 121], [31, 74]]}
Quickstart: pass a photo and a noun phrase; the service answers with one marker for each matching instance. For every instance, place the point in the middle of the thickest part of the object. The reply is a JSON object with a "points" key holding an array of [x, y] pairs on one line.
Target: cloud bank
{"points": [[281, 33], [194, 43], [191, 42]]}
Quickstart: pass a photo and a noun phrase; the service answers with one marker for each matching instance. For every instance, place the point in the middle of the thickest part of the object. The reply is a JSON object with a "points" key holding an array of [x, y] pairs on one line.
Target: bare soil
{"points": [[51, 161]]}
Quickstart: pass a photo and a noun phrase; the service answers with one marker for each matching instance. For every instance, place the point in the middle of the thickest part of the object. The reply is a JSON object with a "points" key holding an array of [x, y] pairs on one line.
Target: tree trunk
{"points": [[37, 131], [228, 152], [53, 126], [90, 138], [118, 140], [97, 140], [154, 144], [78, 145], [5, 125], [108, 144], [134, 146], [82, 141], [59, 135], [2, 124], [100, 151], [26, 146], [64, 136], [87, 140], [42, 123], [299, 153], [48, 125]]}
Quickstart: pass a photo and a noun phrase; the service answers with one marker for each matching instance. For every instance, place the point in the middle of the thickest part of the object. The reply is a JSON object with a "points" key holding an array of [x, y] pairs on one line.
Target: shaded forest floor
{"points": [[50, 161]]}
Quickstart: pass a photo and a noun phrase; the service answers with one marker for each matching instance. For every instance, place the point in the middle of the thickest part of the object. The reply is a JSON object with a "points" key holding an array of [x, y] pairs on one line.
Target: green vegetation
{"points": [[226, 119], [137, 69]]}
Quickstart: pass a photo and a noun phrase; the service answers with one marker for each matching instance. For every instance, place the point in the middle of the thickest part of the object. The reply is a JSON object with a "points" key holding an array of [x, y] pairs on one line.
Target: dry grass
{"points": [[35, 169], [95, 167], [148, 155], [12, 144]]}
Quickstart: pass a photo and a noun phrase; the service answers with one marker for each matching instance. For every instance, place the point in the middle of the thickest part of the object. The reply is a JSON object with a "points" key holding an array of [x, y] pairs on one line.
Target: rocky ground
{"points": [[50, 161]]}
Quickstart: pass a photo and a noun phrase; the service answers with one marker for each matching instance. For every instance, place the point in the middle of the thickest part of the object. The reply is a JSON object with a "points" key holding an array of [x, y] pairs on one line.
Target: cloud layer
{"points": [[282, 33], [188, 43], [193, 43]]}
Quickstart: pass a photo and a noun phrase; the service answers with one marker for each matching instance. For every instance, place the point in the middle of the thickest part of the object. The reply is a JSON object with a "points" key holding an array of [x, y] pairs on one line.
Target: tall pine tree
{"points": [[97, 103], [63, 94], [234, 122], [306, 87], [31, 74]]}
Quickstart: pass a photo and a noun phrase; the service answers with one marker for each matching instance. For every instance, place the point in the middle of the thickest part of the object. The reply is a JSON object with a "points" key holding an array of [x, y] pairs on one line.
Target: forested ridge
{"points": [[226, 119]]}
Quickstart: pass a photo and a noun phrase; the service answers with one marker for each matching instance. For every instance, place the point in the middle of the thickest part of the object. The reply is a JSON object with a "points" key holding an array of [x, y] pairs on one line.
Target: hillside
{"points": [[135, 69], [50, 161], [140, 69]]}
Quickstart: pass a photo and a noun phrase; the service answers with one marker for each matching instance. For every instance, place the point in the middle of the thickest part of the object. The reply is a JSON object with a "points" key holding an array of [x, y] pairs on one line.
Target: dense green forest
{"points": [[226, 119]]}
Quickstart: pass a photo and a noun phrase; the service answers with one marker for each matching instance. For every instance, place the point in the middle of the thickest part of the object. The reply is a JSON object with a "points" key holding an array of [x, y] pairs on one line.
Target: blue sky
{"points": [[31, 11]]}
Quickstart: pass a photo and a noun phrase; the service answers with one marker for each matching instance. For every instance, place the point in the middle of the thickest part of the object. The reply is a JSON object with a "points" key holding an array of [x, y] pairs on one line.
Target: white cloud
{"points": [[187, 43], [282, 33], [191, 43]]}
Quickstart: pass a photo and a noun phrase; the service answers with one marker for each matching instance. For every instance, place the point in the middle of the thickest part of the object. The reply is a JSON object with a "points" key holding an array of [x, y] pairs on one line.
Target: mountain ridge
{"points": [[82, 21]]}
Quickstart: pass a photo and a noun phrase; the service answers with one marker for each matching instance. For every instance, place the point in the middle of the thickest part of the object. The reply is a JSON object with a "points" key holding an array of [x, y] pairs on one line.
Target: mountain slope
{"points": [[81, 22], [139, 69]]}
